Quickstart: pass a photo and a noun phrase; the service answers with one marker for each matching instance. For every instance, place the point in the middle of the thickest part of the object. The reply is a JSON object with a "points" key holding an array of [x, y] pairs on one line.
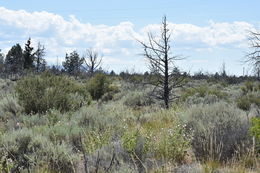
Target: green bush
{"points": [[169, 138], [248, 87], [98, 85], [135, 143], [160, 135], [137, 99], [255, 131], [94, 140], [38, 94], [246, 101], [203, 91], [220, 131]]}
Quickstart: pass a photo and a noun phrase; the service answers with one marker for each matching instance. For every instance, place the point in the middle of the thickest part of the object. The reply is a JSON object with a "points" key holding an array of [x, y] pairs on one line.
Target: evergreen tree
{"points": [[73, 63], [28, 55], [14, 60], [1, 62]]}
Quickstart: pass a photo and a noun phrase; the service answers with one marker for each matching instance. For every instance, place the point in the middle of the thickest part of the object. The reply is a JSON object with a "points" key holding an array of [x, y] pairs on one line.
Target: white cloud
{"points": [[60, 35]]}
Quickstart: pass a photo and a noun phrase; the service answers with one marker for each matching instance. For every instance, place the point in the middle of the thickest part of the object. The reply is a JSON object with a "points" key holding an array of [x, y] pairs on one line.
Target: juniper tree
{"points": [[73, 63], [14, 60], [28, 55]]}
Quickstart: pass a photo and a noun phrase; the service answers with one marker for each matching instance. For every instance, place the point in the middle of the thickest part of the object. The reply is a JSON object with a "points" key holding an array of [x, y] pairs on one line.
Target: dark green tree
{"points": [[14, 60], [28, 55], [1, 62], [73, 63]]}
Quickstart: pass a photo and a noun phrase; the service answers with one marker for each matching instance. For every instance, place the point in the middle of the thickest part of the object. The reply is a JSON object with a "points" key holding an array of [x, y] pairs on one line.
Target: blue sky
{"points": [[207, 33]]}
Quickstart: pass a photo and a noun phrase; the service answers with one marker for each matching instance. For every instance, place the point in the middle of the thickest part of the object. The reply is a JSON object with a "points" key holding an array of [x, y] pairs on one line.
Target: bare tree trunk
{"points": [[161, 63]]}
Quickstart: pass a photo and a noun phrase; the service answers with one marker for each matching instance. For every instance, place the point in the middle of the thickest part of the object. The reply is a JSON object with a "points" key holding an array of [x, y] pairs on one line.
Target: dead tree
{"points": [[157, 51], [92, 60], [254, 57]]}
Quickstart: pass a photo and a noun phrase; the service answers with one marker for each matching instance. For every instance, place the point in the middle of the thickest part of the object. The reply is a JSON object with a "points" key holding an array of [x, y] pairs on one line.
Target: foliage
{"points": [[94, 140], [169, 137], [255, 130], [14, 60], [203, 91], [98, 85], [136, 99], [28, 55], [131, 142], [220, 131], [25, 150], [160, 134], [9, 107], [73, 63], [38, 94], [246, 101], [60, 158]]}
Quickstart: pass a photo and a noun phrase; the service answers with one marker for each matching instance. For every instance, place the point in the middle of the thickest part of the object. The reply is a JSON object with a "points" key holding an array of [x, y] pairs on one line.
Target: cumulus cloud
{"points": [[60, 35]]}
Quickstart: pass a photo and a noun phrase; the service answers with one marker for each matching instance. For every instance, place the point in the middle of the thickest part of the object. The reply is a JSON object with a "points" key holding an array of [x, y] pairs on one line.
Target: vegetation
{"points": [[80, 118], [57, 127], [38, 94]]}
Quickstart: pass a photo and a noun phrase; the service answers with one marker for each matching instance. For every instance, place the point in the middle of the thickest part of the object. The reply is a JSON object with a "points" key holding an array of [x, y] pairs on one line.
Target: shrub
{"points": [[98, 85], [248, 87], [37, 94], [220, 130], [60, 158], [21, 150], [246, 101], [94, 140], [169, 138], [24, 149], [136, 99], [160, 135], [255, 131], [203, 91], [135, 143], [9, 107]]}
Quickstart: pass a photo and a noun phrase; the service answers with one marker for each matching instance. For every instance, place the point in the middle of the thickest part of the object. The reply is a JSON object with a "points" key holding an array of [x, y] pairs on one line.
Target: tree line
{"points": [[164, 75], [19, 61]]}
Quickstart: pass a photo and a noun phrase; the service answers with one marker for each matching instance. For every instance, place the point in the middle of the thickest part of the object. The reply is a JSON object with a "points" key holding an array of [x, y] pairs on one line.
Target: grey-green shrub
{"points": [[9, 107], [220, 130], [203, 91], [138, 98], [24, 149], [40, 93], [60, 158], [21, 148]]}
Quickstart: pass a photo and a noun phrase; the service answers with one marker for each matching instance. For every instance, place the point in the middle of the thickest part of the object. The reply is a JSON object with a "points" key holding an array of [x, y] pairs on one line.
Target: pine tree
{"points": [[28, 55], [14, 60], [72, 64], [1, 62]]}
